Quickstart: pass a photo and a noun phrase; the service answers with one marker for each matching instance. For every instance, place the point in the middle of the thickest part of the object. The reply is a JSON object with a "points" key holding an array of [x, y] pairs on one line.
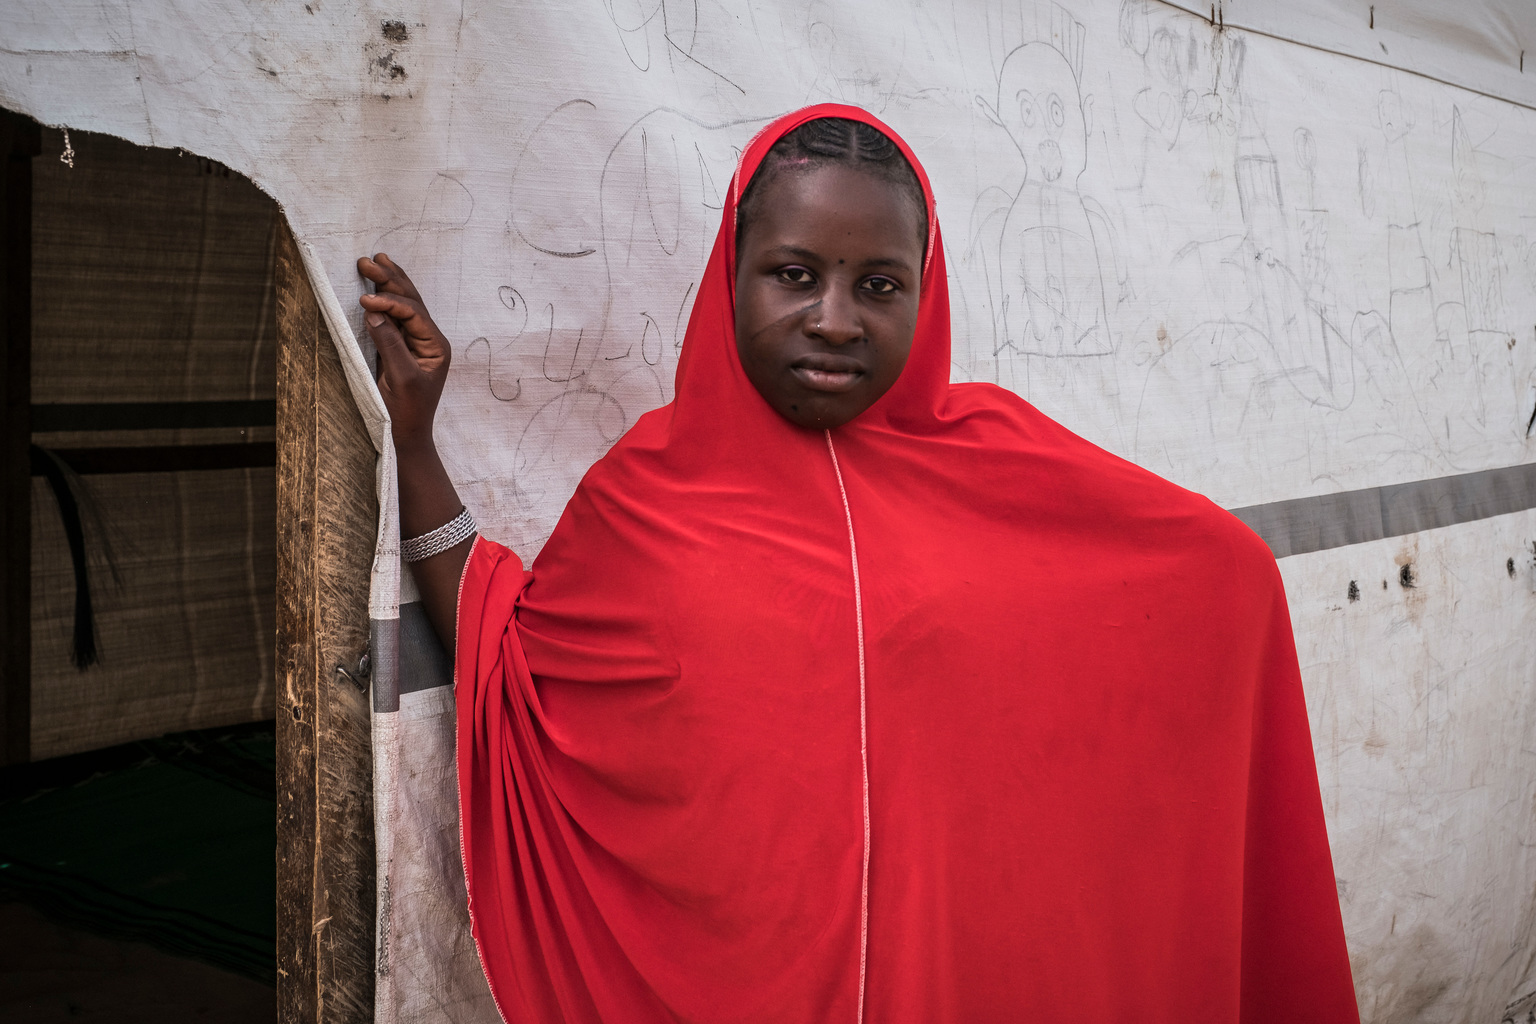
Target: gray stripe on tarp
{"points": [[384, 659], [407, 656], [423, 661], [1301, 525]]}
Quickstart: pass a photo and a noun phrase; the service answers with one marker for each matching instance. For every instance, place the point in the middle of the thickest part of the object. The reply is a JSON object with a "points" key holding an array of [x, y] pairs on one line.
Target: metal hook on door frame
{"points": [[364, 670]]}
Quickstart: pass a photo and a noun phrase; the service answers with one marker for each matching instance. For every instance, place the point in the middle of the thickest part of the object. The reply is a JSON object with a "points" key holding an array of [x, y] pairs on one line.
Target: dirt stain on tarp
{"points": [[1416, 586], [1375, 745], [1405, 977], [386, 56]]}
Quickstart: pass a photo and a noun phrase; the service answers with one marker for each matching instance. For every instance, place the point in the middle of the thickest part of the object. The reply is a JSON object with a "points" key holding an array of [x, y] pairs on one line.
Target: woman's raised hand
{"points": [[413, 354], [413, 363]]}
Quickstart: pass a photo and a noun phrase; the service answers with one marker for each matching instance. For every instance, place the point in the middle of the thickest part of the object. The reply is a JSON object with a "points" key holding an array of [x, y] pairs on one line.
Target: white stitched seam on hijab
{"points": [[858, 612]]}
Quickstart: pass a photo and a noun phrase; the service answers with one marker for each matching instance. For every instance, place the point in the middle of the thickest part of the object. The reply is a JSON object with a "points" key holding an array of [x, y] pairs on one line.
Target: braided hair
{"points": [[835, 140]]}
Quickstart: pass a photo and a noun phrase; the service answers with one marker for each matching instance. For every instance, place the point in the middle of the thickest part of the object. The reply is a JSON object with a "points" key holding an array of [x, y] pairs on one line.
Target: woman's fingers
{"points": [[395, 357], [387, 275], [371, 270], [413, 354], [421, 334], [408, 311]]}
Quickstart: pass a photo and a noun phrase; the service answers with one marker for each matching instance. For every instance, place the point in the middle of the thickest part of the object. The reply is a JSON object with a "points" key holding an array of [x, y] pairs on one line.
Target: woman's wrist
{"points": [[420, 449], [428, 498]]}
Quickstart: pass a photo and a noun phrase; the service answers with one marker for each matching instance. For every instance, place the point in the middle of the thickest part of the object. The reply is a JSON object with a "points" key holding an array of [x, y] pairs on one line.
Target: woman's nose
{"points": [[837, 318]]}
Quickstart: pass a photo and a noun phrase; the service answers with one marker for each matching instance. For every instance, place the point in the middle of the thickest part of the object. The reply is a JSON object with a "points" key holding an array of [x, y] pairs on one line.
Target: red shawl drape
{"points": [[947, 715]]}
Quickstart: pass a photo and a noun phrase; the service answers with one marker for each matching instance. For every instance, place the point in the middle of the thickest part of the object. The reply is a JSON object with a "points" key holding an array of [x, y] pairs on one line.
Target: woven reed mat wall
{"points": [[152, 288]]}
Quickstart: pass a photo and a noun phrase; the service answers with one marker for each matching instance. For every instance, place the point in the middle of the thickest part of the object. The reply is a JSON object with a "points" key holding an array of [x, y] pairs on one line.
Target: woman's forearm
{"points": [[413, 364], [428, 500]]}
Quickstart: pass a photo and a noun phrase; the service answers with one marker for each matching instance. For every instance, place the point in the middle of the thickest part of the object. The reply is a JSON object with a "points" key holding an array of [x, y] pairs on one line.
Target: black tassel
{"points": [[45, 462]]}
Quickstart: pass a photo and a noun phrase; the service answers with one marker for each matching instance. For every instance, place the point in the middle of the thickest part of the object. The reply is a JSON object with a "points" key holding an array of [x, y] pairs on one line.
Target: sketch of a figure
{"points": [[1272, 277], [1411, 298], [1434, 313], [1474, 244], [1476, 324], [1170, 57], [1287, 306], [1050, 258], [1477, 255]]}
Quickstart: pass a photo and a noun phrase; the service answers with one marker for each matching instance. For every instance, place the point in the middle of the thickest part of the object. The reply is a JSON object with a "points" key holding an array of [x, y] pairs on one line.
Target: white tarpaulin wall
{"points": [[1300, 281]]}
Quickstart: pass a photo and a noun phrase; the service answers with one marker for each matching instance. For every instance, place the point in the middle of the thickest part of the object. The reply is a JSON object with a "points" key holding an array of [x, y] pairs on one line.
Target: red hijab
{"points": [[942, 715]]}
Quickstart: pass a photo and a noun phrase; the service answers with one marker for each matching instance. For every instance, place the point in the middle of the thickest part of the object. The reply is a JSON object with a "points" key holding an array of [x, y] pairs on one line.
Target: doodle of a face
{"points": [[1393, 116], [1040, 106], [1167, 58]]}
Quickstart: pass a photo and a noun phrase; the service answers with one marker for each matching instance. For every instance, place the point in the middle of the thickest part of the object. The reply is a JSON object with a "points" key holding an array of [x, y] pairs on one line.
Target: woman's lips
{"points": [[833, 374]]}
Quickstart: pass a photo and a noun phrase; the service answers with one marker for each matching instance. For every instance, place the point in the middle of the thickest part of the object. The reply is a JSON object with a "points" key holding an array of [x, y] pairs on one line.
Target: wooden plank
{"points": [[326, 520], [20, 141], [168, 458], [297, 716], [254, 412], [348, 517]]}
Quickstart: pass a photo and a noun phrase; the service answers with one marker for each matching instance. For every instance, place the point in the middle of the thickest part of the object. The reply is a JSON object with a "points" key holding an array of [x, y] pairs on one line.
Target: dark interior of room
{"points": [[137, 749]]}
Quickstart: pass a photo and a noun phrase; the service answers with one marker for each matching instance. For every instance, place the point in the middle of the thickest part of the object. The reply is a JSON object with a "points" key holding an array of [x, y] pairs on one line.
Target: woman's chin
{"points": [[820, 411]]}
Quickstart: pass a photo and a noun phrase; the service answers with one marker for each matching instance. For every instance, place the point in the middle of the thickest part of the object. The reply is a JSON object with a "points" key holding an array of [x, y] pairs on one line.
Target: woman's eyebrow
{"points": [[797, 252], [792, 252]]}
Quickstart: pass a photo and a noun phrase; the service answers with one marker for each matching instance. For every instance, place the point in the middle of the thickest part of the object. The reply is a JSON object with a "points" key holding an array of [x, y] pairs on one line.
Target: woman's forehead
{"points": [[757, 161], [801, 198], [755, 154]]}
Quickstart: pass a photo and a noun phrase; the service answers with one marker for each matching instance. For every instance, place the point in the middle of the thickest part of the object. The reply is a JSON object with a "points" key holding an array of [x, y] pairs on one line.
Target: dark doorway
{"points": [[137, 608]]}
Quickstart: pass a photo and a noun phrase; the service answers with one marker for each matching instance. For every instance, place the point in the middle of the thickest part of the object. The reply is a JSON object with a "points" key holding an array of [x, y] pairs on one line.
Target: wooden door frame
{"points": [[327, 517]]}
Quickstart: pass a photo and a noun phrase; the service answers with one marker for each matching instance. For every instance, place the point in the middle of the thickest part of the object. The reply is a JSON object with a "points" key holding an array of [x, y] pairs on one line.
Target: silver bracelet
{"points": [[451, 534]]}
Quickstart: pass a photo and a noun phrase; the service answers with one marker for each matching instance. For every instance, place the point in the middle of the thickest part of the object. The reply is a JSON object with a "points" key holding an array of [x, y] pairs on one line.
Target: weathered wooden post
{"points": [[327, 515]]}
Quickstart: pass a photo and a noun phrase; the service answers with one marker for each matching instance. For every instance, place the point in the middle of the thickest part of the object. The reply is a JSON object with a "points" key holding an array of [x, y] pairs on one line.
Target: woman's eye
{"points": [[881, 285], [795, 275]]}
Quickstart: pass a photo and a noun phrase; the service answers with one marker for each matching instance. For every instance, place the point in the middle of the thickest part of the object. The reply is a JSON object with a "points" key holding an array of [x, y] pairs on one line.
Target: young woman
{"points": [[842, 693]]}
